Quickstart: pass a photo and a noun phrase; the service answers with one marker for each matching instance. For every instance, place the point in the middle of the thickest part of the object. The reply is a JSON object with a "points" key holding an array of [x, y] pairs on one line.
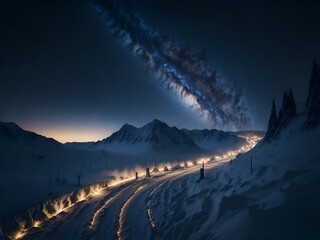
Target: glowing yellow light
{"points": [[96, 192], [96, 214], [121, 216], [150, 217], [64, 203], [36, 223], [93, 221], [19, 235]]}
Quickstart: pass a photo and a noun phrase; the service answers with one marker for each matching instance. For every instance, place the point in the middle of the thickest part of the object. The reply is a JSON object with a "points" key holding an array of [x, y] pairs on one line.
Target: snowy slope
{"points": [[279, 199], [33, 167], [69, 211]]}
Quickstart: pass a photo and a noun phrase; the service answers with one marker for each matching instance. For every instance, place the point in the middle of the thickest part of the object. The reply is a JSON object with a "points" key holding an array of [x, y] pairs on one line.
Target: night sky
{"points": [[64, 74]]}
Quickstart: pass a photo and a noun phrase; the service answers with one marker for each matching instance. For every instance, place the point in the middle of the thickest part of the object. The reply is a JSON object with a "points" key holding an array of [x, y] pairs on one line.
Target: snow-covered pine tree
{"points": [[292, 109], [273, 122], [284, 107], [313, 100], [287, 111]]}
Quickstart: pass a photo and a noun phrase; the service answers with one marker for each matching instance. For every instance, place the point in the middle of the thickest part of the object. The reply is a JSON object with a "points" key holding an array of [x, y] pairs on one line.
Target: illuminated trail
{"points": [[96, 214], [251, 143], [66, 202], [151, 220], [121, 216], [20, 235], [150, 216], [59, 206]]}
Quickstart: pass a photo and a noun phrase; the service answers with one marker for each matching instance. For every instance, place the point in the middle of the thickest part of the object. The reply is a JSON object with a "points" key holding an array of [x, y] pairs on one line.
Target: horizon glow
{"points": [[74, 133]]}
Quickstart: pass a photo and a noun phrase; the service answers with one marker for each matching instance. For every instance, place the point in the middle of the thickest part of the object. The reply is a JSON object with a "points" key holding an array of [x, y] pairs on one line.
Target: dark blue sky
{"points": [[64, 75]]}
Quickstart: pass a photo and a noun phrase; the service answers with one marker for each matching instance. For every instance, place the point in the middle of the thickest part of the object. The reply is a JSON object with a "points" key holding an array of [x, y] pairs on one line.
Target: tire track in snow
{"points": [[123, 208], [149, 200], [94, 220], [109, 224], [75, 222], [137, 219]]}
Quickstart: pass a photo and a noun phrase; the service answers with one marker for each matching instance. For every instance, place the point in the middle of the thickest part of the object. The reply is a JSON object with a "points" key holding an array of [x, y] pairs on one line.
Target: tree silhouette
{"points": [[313, 100], [273, 122]]}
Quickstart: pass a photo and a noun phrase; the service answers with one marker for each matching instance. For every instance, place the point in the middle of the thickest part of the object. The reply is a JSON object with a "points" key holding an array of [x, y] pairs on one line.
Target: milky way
{"points": [[177, 66]]}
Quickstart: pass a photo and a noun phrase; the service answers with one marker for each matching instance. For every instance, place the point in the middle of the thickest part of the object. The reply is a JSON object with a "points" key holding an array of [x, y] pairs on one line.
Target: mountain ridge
{"points": [[158, 135], [16, 133]]}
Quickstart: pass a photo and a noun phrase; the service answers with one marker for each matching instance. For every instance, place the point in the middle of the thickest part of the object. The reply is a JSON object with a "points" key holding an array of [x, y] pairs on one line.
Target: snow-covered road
{"points": [[120, 212], [129, 210]]}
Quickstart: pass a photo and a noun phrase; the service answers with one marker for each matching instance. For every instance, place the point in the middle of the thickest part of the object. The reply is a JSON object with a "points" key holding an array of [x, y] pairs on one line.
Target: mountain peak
{"points": [[127, 127], [10, 130], [156, 123], [10, 125]]}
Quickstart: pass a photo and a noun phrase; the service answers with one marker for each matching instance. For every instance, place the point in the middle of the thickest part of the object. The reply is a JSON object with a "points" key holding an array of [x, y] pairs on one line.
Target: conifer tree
{"points": [[314, 81], [313, 100], [292, 104], [273, 122], [284, 107]]}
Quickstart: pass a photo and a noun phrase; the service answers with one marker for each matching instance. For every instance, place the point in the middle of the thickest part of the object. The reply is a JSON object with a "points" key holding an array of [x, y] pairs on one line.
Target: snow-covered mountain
{"points": [[158, 137], [214, 140], [10, 131], [34, 168]]}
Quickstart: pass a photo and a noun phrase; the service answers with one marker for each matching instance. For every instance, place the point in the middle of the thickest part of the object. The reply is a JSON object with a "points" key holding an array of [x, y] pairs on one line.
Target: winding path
{"points": [[121, 212]]}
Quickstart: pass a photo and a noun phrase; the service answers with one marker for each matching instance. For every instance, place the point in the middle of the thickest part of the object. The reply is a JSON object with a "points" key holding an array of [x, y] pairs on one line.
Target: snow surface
{"points": [[30, 165], [34, 168], [271, 202], [277, 199], [58, 209]]}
